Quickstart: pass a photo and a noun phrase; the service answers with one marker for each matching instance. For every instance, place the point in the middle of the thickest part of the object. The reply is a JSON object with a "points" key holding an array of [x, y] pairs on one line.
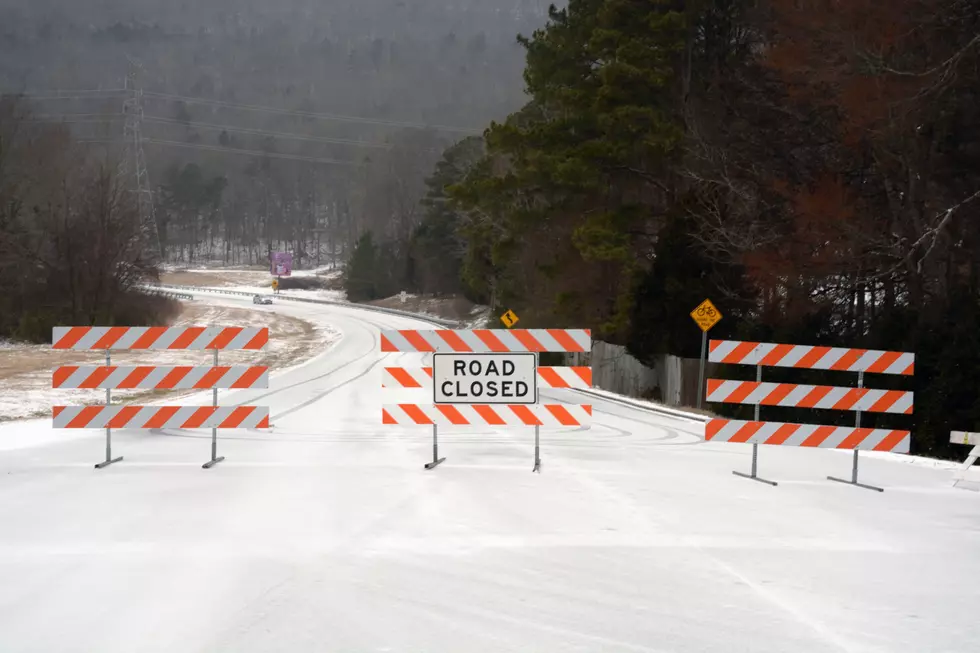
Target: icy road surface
{"points": [[327, 535]]}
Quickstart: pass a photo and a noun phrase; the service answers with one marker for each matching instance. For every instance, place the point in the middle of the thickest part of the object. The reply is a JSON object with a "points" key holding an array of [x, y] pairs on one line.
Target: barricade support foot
{"points": [[211, 463], [433, 464], [856, 484], [756, 478], [108, 462]]}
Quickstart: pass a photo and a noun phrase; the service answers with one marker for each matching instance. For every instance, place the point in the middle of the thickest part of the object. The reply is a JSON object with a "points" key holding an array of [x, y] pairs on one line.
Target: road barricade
{"points": [[165, 377], [794, 395], [486, 377], [966, 438]]}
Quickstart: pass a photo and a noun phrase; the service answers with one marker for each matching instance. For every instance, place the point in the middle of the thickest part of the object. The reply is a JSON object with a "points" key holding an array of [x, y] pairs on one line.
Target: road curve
{"points": [[326, 534]]}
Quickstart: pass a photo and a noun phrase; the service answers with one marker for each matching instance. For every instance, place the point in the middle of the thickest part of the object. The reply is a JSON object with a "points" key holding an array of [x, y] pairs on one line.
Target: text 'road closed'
{"points": [[485, 378]]}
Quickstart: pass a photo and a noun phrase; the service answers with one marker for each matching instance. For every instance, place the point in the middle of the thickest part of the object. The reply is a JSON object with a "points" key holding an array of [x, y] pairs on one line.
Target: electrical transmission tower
{"points": [[133, 164]]}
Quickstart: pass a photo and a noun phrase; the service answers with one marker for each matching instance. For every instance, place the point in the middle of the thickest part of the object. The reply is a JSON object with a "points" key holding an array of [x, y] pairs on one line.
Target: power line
{"points": [[308, 114], [72, 95], [77, 91], [69, 117], [230, 150], [89, 118], [94, 93], [265, 132]]}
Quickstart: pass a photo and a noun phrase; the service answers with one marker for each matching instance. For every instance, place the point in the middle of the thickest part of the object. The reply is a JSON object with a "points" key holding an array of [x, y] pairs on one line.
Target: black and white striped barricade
{"points": [[486, 377], [967, 438]]}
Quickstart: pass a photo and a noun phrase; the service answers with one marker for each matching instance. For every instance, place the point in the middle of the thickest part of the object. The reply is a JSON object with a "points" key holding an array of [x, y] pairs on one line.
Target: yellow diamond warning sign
{"points": [[706, 315], [509, 319]]}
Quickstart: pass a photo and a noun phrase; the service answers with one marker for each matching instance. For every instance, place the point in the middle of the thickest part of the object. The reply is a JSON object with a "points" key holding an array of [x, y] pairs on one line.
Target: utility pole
{"points": [[133, 165]]}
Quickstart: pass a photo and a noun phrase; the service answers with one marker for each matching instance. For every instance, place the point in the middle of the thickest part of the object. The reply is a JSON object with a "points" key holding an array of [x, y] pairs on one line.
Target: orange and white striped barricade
{"points": [[169, 377], [968, 438], [795, 395], [486, 377]]}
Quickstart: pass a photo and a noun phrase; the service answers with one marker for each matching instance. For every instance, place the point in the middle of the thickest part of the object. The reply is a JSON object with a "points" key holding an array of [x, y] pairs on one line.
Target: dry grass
{"points": [[218, 278], [25, 370]]}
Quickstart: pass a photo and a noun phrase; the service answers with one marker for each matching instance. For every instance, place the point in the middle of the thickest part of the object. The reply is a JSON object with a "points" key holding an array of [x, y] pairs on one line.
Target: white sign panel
{"points": [[965, 437], [485, 378]]}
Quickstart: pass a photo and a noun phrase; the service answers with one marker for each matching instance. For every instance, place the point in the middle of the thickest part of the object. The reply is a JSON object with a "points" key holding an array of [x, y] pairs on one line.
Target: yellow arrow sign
{"points": [[509, 319], [706, 315]]}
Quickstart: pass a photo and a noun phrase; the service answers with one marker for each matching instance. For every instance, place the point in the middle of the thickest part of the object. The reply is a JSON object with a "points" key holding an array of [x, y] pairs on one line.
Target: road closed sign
{"points": [[485, 378]]}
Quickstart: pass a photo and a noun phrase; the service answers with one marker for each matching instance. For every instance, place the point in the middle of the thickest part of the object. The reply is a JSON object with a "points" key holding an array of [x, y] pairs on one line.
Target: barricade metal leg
{"points": [[970, 460], [435, 449], [108, 432], [854, 477], [755, 446], [854, 465], [537, 449], [755, 467], [214, 430]]}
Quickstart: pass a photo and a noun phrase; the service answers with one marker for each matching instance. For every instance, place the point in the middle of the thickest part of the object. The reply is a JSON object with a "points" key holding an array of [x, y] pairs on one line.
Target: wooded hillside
{"points": [[812, 166]]}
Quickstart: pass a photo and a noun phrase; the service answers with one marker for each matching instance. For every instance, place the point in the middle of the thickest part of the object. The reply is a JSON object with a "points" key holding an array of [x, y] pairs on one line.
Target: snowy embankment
{"points": [[25, 370], [260, 282]]}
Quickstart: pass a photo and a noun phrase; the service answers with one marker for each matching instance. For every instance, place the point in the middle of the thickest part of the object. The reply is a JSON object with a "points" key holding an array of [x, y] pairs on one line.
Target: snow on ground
{"points": [[25, 379], [326, 534]]}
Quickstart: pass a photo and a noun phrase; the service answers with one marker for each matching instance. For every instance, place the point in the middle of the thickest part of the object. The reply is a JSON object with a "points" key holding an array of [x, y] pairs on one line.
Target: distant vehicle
{"points": [[261, 299]]}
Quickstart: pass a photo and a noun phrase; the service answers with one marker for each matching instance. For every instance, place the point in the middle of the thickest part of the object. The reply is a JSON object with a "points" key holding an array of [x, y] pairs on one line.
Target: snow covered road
{"points": [[326, 534]]}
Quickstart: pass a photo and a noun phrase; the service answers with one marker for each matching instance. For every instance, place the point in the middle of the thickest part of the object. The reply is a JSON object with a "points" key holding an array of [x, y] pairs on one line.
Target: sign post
{"points": [[706, 316], [108, 431]]}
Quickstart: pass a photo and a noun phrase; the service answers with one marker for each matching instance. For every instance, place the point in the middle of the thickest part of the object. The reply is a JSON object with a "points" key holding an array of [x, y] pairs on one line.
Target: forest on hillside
{"points": [[294, 124], [811, 166]]}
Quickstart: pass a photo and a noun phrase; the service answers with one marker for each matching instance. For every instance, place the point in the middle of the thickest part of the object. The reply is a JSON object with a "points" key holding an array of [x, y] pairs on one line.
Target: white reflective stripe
{"points": [[121, 374], [803, 432], [168, 338], [901, 364], [436, 340], [765, 432], [903, 404], [91, 338], [838, 435], [904, 446], [247, 335], [727, 431], [760, 393], [866, 360], [759, 352], [567, 374], [829, 359], [964, 437], [130, 337], [797, 394], [800, 435], [418, 374], [398, 341], [506, 413], [724, 348], [794, 356], [831, 398], [77, 377], [66, 415], [723, 391]]}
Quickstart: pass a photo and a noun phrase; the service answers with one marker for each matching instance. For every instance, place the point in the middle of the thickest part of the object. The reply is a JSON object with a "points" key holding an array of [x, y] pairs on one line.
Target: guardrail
{"points": [[311, 300], [173, 294]]}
